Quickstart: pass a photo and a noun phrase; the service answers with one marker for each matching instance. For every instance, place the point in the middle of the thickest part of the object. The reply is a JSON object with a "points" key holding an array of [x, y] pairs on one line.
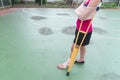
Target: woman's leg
{"points": [[66, 63], [82, 54]]}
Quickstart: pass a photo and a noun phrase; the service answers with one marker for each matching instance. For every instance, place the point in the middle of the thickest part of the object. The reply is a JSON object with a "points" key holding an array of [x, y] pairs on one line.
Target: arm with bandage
{"points": [[86, 11]]}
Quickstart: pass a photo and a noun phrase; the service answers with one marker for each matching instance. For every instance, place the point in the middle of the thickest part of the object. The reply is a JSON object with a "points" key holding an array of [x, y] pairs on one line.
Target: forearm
{"points": [[87, 12], [93, 3]]}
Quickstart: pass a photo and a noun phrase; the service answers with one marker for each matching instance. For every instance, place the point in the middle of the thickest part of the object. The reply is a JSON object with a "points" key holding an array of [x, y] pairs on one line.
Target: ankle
{"points": [[67, 62], [81, 60]]}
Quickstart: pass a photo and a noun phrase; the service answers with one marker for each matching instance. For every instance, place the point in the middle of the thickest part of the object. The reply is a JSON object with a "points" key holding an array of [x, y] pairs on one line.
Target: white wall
{"points": [[53, 0], [75, 0], [30, 0], [47, 0]]}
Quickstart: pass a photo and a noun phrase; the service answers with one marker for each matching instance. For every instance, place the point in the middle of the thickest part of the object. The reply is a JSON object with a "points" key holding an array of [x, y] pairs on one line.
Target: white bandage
{"points": [[65, 64], [85, 13]]}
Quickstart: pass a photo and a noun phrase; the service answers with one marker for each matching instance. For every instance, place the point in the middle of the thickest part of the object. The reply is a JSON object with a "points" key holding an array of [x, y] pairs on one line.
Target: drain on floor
{"points": [[110, 76], [69, 30], [99, 30], [45, 31], [38, 17]]}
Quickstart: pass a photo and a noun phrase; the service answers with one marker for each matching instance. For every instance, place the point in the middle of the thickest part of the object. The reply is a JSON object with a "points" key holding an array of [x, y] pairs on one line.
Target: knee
{"points": [[77, 46]]}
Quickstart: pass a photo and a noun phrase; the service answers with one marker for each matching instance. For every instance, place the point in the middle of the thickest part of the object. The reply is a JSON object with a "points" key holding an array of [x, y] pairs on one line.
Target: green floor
{"points": [[27, 54]]}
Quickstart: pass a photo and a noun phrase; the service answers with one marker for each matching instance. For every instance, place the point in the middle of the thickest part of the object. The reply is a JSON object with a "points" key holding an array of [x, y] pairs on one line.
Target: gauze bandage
{"points": [[85, 12]]}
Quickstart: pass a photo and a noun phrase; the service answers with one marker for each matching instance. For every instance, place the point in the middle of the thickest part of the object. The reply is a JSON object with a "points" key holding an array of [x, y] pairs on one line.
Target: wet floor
{"points": [[34, 40]]}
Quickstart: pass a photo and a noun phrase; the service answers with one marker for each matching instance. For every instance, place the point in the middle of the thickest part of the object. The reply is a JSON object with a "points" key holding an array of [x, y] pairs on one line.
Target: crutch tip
{"points": [[68, 73]]}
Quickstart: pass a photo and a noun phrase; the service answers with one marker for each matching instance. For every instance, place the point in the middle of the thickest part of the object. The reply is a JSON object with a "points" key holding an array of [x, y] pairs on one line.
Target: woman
{"points": [[85, 13]]}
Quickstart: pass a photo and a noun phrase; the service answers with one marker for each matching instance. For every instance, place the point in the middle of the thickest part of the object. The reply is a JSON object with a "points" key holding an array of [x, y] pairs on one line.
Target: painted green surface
{"points": [[25, 54]]}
